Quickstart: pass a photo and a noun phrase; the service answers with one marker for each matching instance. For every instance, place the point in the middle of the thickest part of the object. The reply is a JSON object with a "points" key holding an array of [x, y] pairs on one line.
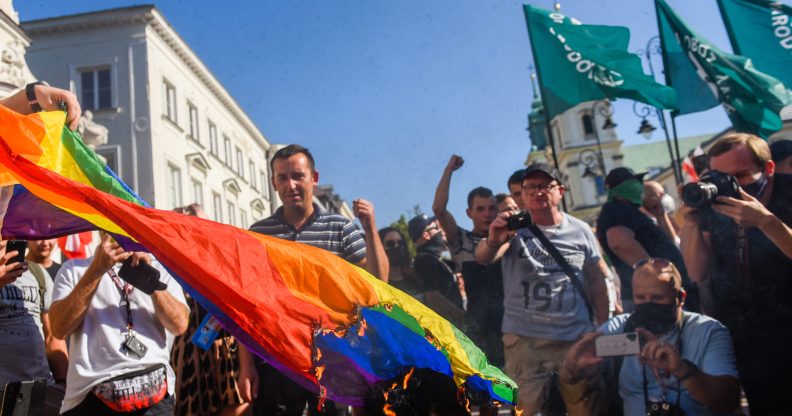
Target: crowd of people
{"points": [[700, 294]]}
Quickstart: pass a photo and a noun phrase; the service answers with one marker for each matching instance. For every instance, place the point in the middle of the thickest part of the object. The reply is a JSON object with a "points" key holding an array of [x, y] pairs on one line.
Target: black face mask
{"points": [[434, 246], [654, 317], [755, 189], [398, 256]]}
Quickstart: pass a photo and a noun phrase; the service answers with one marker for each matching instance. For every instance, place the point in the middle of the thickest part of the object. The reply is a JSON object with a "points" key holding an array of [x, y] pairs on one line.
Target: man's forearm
{"points": [[441, 193], [779, 233], [57, 352], [172, 314], [376, 259], [67, 314], [595, 275], [717, 393], [695, 252], [17, 102]]}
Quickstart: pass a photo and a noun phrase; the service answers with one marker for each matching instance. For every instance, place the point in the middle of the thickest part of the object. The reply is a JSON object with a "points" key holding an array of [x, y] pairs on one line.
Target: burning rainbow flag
{"points": [[327, 324]]}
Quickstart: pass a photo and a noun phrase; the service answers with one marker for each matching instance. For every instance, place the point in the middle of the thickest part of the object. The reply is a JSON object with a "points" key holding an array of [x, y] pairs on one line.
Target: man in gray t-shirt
{"points": [[544, 312]]}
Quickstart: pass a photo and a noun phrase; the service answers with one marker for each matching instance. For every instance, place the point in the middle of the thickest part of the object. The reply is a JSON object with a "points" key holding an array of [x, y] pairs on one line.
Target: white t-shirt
{"points": [[95, 352]]}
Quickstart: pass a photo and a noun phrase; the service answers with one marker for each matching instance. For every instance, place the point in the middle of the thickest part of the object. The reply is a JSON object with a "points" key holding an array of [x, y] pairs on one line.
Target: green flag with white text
{"points": [[751, 98], [578, 63], [761, 30]]}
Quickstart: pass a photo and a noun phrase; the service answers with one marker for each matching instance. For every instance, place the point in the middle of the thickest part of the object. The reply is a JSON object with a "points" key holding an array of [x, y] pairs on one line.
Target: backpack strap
{"points": [[41, 276]]}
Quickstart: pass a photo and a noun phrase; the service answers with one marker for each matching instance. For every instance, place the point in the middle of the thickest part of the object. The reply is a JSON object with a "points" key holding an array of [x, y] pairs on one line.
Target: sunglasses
{"points": [[660, 263], [394, 244]]}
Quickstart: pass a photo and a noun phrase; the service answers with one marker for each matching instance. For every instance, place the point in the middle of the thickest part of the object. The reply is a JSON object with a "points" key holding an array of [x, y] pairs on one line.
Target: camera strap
{"points": [[647, 402], [561, 261], [125, 289]]}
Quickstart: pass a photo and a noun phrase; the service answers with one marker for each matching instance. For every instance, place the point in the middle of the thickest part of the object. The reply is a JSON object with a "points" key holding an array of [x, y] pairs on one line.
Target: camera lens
{"points": [[699, 194]]}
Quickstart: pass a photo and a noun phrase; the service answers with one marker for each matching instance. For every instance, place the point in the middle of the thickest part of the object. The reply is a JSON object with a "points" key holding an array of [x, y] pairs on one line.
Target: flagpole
{"points": [[676, 143], [550, 137]]}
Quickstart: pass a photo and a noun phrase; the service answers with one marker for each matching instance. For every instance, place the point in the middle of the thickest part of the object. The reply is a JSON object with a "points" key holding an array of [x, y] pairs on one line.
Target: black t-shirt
{"points": [[433, 273], [648, 234], [761, 293], [53, 269]]}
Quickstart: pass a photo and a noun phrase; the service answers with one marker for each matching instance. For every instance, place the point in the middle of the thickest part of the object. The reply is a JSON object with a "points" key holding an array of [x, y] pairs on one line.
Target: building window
{"points": [[252, 170], [174, 186], [231, 213], [588, 126], [240, 163], [95, 89], [264, 184], [213, 139], [257, 213], [197, 188], [169, 92], [217, 206], [227, 148], [243, 222], [193, 121], [599, 181]]}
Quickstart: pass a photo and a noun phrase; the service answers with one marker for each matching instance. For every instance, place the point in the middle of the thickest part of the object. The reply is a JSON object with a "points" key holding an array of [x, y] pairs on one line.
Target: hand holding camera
{"points": [[143, 277]]}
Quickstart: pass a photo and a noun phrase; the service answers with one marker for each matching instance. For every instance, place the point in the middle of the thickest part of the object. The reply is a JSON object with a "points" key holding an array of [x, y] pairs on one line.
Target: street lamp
{"points": [[646, 127], [654, 47], [604, 109], [590, 159]]}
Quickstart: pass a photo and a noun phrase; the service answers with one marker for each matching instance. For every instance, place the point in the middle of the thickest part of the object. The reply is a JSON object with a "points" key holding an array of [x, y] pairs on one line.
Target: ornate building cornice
{"points": [[151, 16]]}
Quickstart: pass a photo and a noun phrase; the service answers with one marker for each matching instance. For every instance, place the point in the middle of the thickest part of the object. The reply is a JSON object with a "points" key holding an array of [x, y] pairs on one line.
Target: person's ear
{"points": [[681, 296], [468, 212], [315, 177], [769, 168]]}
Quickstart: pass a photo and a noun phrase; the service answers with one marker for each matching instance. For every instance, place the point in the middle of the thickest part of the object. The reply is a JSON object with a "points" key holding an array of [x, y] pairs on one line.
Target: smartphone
{"points": [[23, 398], [628, 343], [20, 246], [143, 272]]}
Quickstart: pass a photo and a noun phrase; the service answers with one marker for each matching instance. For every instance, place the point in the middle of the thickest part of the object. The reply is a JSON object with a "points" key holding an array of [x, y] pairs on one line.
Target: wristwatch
{"points": [[691, 371], [30, 90]]}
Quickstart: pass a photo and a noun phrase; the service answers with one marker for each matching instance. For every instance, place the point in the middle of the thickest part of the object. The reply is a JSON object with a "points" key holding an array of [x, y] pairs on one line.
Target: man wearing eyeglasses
{"points": [[544, 312], [742, 248], [627, 235]]}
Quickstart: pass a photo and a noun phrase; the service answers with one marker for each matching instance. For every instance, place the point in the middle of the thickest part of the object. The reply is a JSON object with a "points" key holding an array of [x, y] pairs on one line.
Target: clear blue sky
{"points": [[383, 92]]}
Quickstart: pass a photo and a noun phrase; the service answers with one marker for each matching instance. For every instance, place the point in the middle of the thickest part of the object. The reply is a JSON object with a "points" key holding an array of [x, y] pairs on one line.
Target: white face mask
{"points": [[668, 203]]}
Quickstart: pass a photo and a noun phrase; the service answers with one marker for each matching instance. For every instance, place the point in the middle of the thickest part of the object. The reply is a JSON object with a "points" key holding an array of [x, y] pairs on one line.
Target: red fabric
{"points": [[75, 246]]}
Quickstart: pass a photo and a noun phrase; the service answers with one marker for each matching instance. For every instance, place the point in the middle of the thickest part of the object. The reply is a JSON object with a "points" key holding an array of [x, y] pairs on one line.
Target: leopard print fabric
{"points": [[206, 381]]}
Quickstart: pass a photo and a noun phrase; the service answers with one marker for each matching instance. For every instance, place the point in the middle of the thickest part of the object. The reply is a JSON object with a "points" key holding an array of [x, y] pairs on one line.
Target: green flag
{"points": [[578, 63], [761, 30], [751, 99]]}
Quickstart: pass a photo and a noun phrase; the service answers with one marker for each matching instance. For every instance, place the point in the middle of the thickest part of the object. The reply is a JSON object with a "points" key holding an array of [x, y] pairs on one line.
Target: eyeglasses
{"points": [[532, 189], [394, 243], [660, 262]]}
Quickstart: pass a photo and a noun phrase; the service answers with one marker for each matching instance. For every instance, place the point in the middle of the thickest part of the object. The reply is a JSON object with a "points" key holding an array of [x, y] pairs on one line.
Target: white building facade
{"points": [[176, 136]]}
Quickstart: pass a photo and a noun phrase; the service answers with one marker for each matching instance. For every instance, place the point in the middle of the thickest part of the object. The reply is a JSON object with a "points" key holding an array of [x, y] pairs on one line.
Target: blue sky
{"points": [[383, 92]]}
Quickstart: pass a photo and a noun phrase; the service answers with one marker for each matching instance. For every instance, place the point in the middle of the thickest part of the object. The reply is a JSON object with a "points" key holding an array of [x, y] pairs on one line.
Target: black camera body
{"points": [[519, 220], [712, 184]]}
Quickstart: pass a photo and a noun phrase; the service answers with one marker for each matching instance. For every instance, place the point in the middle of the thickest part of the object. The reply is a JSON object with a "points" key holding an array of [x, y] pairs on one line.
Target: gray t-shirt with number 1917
{"points": [[539, 299]]}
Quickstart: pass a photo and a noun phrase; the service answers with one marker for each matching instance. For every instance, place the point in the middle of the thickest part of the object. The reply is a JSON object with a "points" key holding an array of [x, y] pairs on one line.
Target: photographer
{"points": [[686, 361], [545, 312], [742, 243]]}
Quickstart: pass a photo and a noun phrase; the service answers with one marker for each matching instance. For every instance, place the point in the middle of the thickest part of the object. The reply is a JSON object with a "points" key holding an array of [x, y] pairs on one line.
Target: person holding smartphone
{"points": [[685, 364], [25, 298]]}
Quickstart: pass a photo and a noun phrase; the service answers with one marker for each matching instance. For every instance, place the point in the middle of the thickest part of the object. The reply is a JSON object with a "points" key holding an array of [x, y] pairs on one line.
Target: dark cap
{"points": [[417, 225], [621, 174], [781, 149], [544, 168]]}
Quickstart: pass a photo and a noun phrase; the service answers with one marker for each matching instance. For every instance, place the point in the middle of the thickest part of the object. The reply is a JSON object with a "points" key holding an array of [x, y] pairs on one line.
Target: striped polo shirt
{"points": [[324, 230]]}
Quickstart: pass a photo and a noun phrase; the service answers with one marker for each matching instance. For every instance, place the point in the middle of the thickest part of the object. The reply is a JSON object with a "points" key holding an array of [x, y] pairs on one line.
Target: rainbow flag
{"points": [[327, 324], [43, 140]]}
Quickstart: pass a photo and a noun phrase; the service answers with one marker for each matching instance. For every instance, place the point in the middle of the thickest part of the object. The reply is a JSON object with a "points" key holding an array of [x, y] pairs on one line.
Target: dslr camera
{"points": [[519, 220], [712, 184]]}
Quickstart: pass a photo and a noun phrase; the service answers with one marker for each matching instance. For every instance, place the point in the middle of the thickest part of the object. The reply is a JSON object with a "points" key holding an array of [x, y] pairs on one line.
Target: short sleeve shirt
{"points": [[705, 342], [649, 235], [331, 232], [539, 299]]}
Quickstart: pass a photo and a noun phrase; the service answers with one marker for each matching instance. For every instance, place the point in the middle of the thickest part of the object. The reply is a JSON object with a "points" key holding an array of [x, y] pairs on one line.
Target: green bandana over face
{"points": [[630, 190]]}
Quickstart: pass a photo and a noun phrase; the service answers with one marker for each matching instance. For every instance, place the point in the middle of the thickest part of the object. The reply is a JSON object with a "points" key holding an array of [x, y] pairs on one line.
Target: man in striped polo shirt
{"points": [[294, 177]]}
